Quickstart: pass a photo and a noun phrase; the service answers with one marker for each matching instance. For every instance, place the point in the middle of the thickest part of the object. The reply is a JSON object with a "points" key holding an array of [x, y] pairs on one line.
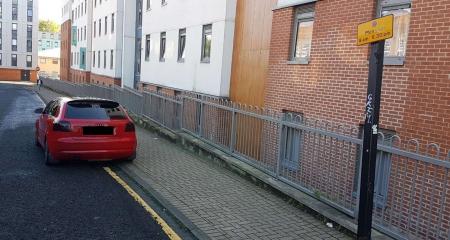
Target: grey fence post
{"points": [[182, 112], [164, 112], [280, 147], [200, 130], [233, 129]]}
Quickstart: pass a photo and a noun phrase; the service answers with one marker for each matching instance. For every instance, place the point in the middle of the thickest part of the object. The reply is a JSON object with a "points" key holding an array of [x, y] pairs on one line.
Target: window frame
{"points": [[162, 47], [389, 5], [181, 33], [301, 17], [147, 47], [207, 29]]}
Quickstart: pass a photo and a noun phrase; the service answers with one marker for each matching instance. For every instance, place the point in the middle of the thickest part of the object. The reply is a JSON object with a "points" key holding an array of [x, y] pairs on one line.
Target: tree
{"points": [[48, 26]]}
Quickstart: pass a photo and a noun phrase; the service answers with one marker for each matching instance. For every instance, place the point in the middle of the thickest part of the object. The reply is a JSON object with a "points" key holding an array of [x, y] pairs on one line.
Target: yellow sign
{"points": [[376, 30]]}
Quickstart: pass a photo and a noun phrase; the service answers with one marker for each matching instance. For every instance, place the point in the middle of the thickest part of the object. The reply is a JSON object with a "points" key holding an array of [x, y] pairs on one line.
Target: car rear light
{"points": [[62, 126], [129, 127]]}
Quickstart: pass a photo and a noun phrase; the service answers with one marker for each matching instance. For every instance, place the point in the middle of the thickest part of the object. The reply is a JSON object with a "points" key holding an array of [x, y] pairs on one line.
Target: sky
{"points": [[50, 10]]}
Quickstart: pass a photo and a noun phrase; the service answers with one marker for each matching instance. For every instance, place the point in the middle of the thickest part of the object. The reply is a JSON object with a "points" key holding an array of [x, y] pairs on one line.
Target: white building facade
{"points": [[187, 45], [107, 41], [18, 39], [81, 47]]}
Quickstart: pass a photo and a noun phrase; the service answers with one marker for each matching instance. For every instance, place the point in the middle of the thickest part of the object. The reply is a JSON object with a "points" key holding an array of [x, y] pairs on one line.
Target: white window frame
{"points": [[303, 13], [384, 5]]}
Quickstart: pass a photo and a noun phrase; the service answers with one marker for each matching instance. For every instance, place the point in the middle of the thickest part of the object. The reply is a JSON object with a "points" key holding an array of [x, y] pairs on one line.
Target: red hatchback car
{"points": [[85, 129]]}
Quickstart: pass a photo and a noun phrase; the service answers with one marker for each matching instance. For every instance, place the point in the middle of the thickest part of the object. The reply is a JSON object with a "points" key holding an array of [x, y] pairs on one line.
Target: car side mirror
{"points": [[39, 110]]}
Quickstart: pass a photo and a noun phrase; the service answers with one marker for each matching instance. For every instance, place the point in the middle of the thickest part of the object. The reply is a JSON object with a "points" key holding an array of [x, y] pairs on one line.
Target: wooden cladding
{"points": [[251, 51]]}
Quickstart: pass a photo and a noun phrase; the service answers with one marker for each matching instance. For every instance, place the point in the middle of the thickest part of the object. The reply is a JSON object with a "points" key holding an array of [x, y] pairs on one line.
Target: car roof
{"points": [[81, 99]]}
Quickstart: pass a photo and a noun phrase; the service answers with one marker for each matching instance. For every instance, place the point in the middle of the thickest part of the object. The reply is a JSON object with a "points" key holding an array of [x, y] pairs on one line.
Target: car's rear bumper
{"points": [[93, 148]]}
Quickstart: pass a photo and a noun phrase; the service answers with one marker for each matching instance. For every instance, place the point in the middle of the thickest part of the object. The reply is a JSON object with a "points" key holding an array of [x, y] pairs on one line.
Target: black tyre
{"points": [[49, 160]]}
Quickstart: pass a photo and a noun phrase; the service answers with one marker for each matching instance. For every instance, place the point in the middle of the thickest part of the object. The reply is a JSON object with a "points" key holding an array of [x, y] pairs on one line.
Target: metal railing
{"points": [[322, 159]]}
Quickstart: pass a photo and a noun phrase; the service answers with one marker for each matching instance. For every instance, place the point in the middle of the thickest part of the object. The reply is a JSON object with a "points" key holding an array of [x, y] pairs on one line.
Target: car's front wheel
{"points": [[49, 160]]}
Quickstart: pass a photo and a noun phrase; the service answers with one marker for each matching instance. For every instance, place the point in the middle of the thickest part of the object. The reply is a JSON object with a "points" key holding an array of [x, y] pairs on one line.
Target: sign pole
{"points": [[370, 141]]}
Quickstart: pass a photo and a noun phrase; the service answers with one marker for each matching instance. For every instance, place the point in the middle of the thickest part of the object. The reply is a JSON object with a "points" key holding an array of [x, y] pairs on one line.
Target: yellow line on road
{"points": [[166, 228]]}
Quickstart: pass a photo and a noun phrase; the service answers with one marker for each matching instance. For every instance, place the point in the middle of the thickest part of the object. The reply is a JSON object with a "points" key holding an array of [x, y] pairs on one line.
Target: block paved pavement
{"points": [[219, 202]]}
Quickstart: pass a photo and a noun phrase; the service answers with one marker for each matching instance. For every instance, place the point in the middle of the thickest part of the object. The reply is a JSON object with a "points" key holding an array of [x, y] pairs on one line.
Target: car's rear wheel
{"points": [[49, 160], [131, 158], [36, 141]]}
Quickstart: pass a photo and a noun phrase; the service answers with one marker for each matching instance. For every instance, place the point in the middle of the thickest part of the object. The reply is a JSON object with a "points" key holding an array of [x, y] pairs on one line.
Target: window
{"points": [[104, 59], [95, 28], [111, 60], [106, 25], [292, 142], [162, 47], [14, 60], [30, 10], [98, 59], [82, 7], [14, 9], [95, 3], [206, 43], [395, 48], [1, 30], [1, 9], [1, 59], [85, 33], [29, 38], [85, 6], [29, 60], [99, 27], [302, 34], [93, 60], [181, 44], [147, 47], [112, 22], [149, 4]]}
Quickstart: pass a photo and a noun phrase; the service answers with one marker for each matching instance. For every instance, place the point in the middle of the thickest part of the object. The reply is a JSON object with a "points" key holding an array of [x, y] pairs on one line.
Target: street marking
{"points": [[166, 228]]}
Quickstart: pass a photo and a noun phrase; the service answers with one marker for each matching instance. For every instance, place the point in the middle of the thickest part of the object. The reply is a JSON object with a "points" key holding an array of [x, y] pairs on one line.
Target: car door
{"points": [[43, 121]]}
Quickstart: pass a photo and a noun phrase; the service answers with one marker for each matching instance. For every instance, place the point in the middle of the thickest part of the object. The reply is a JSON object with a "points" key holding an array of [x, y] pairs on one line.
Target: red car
{"points": [[85, 129]]}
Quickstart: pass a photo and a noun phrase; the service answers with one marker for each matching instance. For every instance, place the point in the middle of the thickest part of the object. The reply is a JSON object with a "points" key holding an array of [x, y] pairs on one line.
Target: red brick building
{"points": [[66, 30], [316, 70], [416, 85]]}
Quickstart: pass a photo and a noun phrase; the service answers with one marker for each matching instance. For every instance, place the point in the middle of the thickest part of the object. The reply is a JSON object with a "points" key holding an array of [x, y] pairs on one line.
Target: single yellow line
{"points": [[166, 228]]}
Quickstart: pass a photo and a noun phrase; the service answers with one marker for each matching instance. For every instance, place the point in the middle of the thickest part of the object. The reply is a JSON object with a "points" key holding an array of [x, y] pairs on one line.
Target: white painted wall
{"points": [[209, 78], [66, 10], [128, 43], [80, 21], [109, 41], [22, 24], [288, 3]]}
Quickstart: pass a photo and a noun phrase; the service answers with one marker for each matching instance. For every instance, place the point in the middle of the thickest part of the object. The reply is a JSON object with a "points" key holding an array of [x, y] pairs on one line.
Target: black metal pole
{"points": [[370, 141]]}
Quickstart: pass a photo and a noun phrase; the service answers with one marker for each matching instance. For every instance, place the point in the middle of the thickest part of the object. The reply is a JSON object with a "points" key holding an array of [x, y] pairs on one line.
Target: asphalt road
{"points": [[72, 201]]}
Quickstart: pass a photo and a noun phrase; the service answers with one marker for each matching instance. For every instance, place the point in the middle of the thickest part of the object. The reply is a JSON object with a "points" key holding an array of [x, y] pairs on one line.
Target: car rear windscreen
{"points": [[101, 110]]}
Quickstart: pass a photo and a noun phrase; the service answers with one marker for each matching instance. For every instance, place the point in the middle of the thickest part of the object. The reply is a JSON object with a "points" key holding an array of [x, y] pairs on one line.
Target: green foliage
{"points": [[48, 26]]}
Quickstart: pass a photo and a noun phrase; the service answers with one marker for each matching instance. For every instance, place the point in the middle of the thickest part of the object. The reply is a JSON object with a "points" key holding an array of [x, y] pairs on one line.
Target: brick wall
{"points": [[415, 97], [66, 31], [15, 75], [77, 76], [104, 80]]}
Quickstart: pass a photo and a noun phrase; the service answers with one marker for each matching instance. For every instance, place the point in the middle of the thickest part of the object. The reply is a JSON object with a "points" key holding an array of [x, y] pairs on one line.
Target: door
{"points": [[43, 121], [25, 75]]}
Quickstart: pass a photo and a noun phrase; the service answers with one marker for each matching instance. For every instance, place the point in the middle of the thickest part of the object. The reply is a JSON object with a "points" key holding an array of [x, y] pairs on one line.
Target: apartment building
{"points": [[48, 40], [66, 40], [18, 40], [81, 44], [191, 50], [107, 42]]}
